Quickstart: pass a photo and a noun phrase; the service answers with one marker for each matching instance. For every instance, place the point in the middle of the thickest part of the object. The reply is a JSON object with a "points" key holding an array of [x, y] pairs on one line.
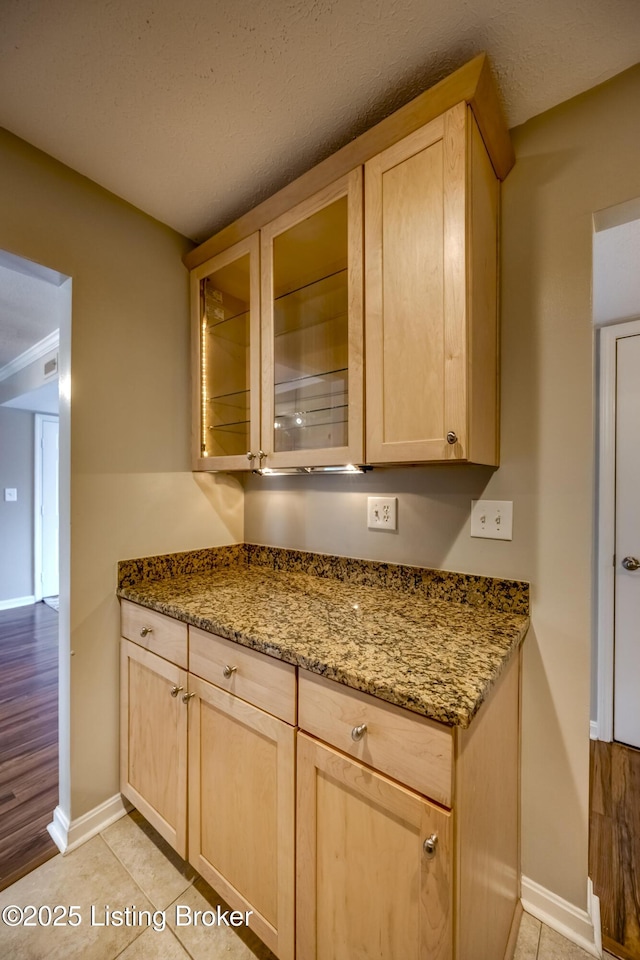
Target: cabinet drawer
{"points": [[261, 680], [407, 747], [153, 631]]}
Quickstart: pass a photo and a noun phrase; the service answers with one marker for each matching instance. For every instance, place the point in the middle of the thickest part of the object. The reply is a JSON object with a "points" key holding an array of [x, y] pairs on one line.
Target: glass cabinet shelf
{"points": [[239, 427], [306, 405], [228, 410], [217, 321], [319, 301], [312, 391], [231, 393]]}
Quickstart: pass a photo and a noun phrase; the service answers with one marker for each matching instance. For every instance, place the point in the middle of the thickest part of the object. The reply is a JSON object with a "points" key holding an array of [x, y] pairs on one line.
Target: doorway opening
{"points": [[614, 821], [35, 325]]}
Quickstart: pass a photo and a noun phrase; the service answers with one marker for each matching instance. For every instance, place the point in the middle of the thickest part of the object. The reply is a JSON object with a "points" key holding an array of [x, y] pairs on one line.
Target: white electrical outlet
{"points": [[382, 513], [10, 494], [492, 519]]}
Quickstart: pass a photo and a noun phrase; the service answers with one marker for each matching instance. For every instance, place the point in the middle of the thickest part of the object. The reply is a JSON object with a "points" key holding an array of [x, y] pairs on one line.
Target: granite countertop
{"points": [[432, 642]]}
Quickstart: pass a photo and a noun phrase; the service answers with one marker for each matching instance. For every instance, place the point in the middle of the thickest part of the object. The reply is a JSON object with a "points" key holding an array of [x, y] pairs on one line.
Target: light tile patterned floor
{"points": [[539, 942], [129, 865]]}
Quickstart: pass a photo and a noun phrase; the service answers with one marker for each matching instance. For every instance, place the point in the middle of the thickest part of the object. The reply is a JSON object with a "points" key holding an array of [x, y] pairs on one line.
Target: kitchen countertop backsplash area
{"points": [[431, 641]]}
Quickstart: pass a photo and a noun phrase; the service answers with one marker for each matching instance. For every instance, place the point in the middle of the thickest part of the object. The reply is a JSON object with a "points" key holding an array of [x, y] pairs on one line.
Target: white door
{"points": [[49, 506], [626, 711]]}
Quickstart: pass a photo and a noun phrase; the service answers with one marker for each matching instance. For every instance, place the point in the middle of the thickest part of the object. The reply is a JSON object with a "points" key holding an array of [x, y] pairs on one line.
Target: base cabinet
{"points": [[213, 773], [407, 830], [242, 809], [153, 741], [366, 885]]}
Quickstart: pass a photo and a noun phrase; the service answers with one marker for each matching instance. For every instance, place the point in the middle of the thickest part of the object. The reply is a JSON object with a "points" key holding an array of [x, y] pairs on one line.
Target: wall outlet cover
{"points": [[382, 513], [492, 519], [10, 494]]}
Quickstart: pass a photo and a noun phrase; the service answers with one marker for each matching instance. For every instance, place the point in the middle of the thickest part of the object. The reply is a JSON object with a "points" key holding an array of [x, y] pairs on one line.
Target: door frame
{"points": [[40, 418], [606, 517]]}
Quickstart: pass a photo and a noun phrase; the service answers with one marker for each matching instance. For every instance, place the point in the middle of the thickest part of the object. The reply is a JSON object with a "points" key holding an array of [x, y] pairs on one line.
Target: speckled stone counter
{"points": [[430, 641]]}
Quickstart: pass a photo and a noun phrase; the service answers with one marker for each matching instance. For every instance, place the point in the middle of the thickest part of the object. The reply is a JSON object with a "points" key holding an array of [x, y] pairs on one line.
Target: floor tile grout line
{"points": [[142, 932], [116, 857], [183, 945], [539, 939], [147, 897], [186, 950], [175, 935]]}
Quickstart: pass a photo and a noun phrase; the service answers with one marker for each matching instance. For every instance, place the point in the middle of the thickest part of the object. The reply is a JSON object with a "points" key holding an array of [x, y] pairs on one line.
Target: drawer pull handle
{"points": [[430, 846], [175, 691], [228, 670], [358, 732], [145, 631], [187, 696]]}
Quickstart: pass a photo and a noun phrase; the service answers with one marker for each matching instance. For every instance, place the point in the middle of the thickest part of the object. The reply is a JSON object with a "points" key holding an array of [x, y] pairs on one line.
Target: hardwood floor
{"points": [[614, 844], [28, 737]]}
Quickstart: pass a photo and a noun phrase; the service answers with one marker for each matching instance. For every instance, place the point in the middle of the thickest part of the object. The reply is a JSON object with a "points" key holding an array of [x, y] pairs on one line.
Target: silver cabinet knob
{"points": [[187, 696], [251, 456], [146, 631], [261, 454], [430, 846], [630, 563], [176, 690], [228, 670], [452, 437], [358, 732]]}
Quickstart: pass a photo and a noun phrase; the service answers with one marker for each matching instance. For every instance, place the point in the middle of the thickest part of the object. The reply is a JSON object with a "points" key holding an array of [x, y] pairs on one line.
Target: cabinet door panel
{"points": [[153, 760], [225, 297], [415, 244], [365, 887], [242, 809], [312, 333]]}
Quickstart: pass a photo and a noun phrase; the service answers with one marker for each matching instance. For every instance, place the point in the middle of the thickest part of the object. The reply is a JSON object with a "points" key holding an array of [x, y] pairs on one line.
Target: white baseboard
{"points": [[67, 835], [17, 602], [569, 921], [593, 730], [593, 908]]}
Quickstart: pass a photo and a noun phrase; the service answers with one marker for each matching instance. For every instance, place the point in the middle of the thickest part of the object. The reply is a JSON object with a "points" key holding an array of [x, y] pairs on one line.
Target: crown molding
{"points": [[36, 352]]}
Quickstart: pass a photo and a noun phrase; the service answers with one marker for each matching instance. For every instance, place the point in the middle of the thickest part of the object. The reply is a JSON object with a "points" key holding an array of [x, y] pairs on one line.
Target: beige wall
{"points": [[131, 490], [571, 161]]}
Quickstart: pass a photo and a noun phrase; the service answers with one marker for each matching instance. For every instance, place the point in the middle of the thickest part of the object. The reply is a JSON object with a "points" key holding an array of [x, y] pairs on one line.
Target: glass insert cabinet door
{"points": [[226, 342], [312, 388]]}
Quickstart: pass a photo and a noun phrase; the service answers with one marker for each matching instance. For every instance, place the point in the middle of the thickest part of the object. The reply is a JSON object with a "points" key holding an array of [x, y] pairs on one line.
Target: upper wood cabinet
{"points": [[424, 185], [431, 215], [312, 389], [225, 298]]}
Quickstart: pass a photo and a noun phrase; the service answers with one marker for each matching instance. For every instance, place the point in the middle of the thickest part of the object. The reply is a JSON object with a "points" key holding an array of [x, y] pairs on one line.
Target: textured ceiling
{"points": [[196, 110]]}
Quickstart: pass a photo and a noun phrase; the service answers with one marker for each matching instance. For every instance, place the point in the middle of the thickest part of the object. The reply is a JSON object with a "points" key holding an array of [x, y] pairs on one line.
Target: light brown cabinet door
{"points": [[366, 888], [225, 298], [242, 809], [153, 741], [431, 204], [312, 335]]}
